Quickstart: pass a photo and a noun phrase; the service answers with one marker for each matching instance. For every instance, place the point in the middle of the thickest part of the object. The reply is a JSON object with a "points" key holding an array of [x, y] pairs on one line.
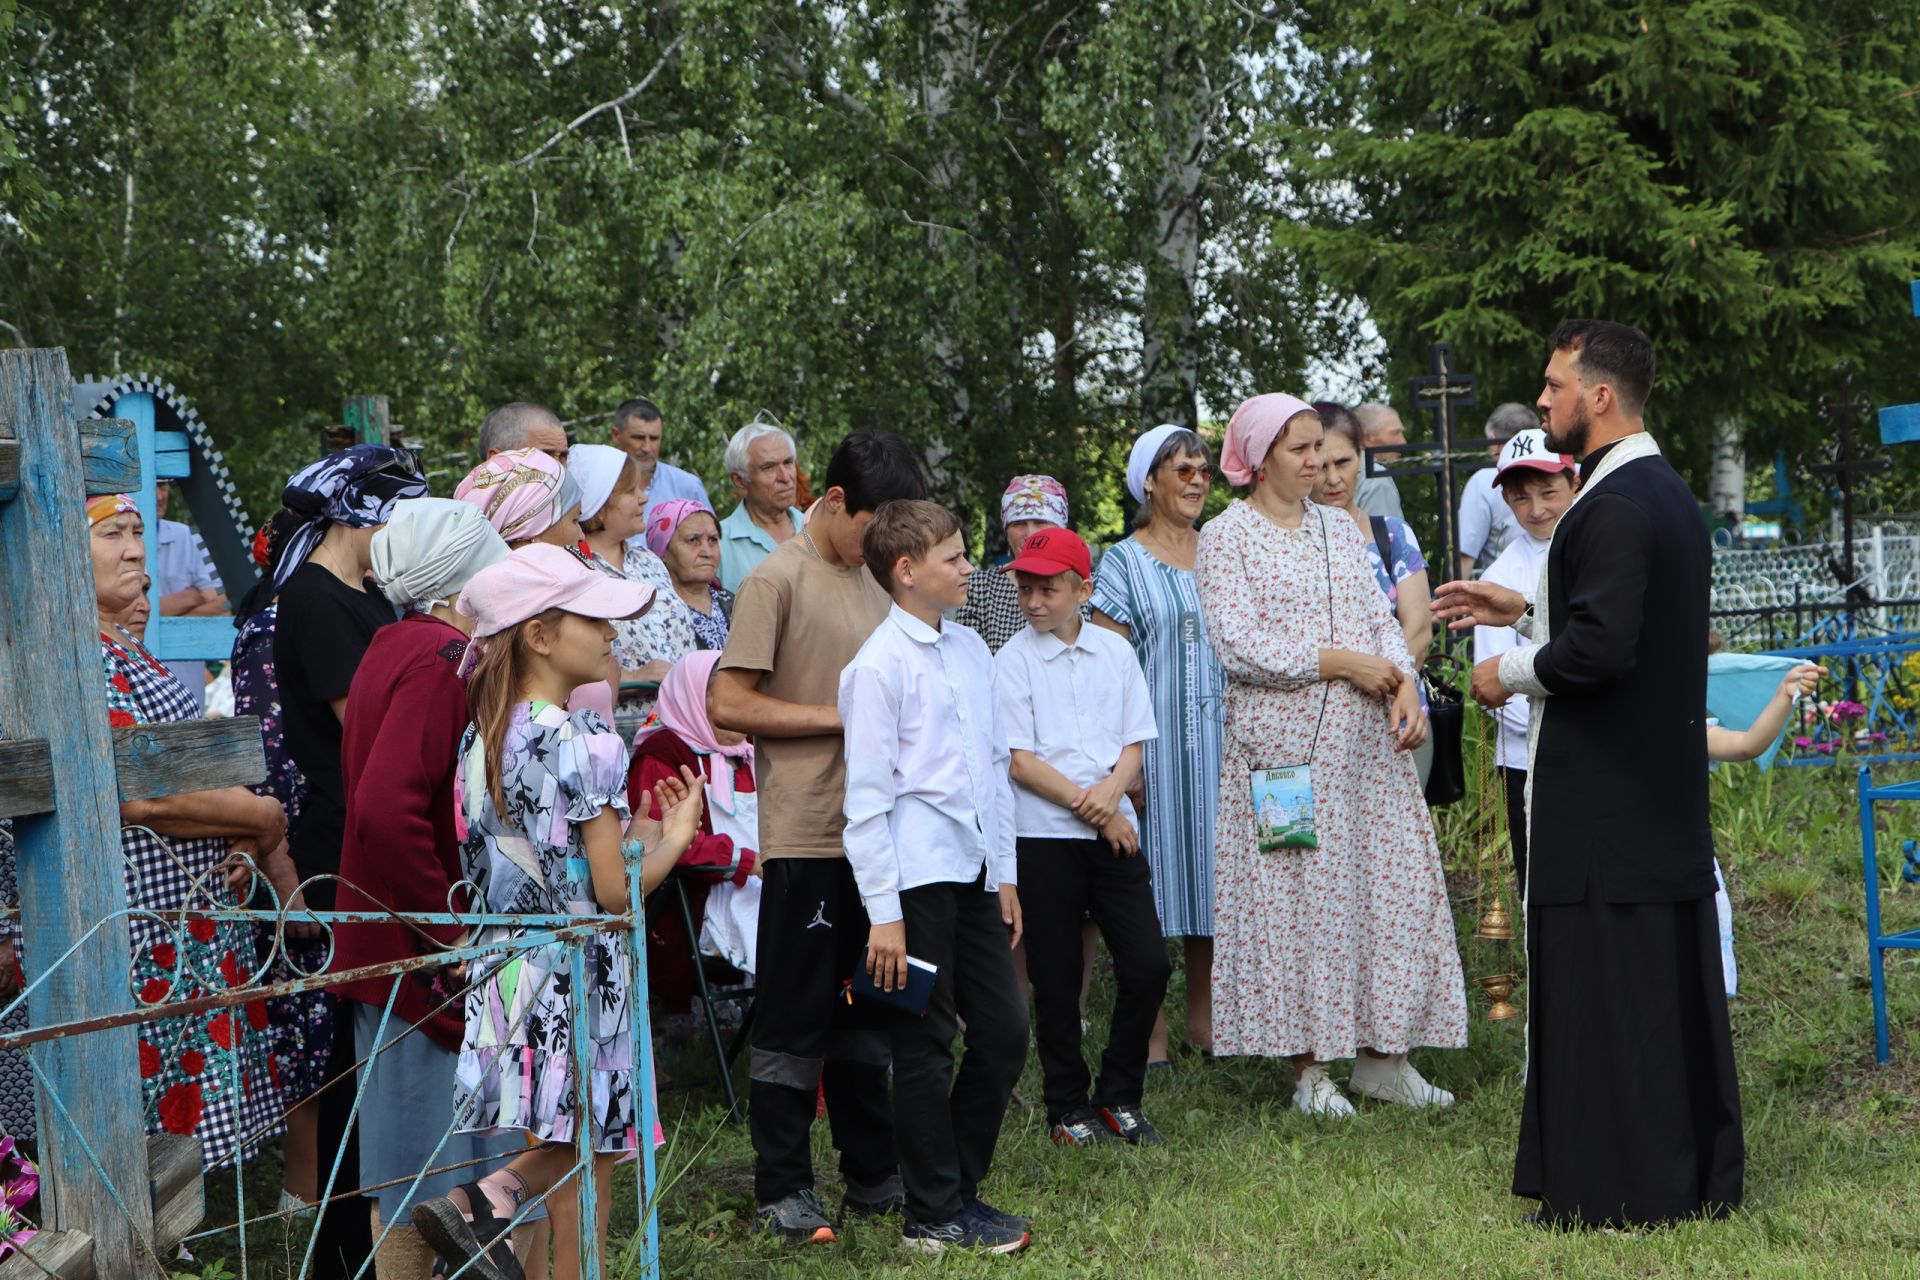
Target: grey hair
{"points": [[743, 440], [1375, 418], [1178, 444], [1510, 419], [506, 427]]}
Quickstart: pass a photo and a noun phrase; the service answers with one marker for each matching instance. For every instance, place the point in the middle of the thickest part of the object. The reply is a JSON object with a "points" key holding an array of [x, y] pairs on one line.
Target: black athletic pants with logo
{"points": [[813, 931]]}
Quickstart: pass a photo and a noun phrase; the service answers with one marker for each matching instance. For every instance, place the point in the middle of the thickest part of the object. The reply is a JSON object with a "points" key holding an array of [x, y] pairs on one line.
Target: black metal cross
{"points": [[1840, 412], [1441, 393]]}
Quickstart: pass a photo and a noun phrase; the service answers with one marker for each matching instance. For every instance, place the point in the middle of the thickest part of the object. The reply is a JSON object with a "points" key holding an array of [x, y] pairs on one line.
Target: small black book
{"points": [[913, 997]]}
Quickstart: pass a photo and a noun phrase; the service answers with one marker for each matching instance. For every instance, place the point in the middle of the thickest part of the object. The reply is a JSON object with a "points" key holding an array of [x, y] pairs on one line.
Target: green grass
{"points": [[1245, 1187]]}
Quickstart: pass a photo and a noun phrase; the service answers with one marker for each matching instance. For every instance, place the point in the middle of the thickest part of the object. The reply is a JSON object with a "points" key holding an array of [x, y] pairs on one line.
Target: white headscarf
{"points": [[430, 547], [597, 468], [1140, 461]]}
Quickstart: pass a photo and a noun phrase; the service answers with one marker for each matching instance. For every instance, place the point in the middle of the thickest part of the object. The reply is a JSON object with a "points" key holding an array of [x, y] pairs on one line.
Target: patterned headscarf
{"points": [[522, 493], [107, 506], [356, 487], [665, 520], [1034, 498]]}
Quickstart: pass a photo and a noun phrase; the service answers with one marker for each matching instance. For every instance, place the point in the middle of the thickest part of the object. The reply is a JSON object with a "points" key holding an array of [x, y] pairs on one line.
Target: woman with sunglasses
{"points": [[1144, 589]]}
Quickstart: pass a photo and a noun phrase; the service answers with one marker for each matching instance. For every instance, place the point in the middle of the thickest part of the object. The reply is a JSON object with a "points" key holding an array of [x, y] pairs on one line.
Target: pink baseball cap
{"points": [[1528, 449], [1052, 551], [537, 577]]}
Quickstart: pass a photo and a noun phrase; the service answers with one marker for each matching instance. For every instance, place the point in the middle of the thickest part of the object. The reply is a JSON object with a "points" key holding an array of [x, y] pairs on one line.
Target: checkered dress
{"points": [[205, 1074]]}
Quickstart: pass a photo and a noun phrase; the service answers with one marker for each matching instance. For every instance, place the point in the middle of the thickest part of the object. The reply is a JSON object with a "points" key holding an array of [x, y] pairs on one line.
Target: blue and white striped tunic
{"points": [[1160, 605]]}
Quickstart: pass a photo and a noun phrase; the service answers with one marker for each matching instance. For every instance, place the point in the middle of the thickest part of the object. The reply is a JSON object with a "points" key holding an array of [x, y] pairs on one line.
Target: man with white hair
{"points": [[523, 425], [638, 430], [1379, 425], [760, 462]]}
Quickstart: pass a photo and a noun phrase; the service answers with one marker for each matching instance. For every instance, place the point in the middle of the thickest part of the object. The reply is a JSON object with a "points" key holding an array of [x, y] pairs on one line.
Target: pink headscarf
{"points": [[683, 709], [664, 521], [1255, 425], [522, 492]]}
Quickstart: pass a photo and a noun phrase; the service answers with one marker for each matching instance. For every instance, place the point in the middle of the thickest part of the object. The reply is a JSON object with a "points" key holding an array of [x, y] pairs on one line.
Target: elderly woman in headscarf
{"points": [[327, 616], [685, 534], [726, 851], [614, 501], [406, 710], [1335, 938], [178, 851], [1144, 588], [993, 600]]}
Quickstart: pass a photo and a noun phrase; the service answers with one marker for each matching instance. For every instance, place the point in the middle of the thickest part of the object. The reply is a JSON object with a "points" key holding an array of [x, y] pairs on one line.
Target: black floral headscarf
{"points": [[356, 487]]}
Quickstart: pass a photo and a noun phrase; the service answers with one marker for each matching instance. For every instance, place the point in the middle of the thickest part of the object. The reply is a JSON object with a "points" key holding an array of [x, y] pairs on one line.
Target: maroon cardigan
{"points": [[399, 752]]}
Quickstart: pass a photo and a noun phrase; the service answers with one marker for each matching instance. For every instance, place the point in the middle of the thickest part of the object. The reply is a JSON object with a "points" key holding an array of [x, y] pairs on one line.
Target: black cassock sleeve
{"points": [[1605, 569]]}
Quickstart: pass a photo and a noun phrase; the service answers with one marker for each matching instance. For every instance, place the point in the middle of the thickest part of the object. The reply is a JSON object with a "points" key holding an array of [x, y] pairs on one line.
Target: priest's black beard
{"points": [[1574, 441]]}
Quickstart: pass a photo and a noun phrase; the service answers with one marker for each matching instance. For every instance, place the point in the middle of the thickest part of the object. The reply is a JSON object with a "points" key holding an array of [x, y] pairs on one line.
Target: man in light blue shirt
{"points": [[188, 587], [760, 462], [638, 430]]}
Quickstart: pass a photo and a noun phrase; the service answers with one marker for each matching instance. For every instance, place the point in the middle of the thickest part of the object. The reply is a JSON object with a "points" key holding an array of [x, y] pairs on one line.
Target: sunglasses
{"points": [[1186, 471]]}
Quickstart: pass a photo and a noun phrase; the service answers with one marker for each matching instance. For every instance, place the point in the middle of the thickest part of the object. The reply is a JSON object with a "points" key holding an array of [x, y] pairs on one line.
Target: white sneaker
{"points": [[1317, 1095], [1393, 1079]]}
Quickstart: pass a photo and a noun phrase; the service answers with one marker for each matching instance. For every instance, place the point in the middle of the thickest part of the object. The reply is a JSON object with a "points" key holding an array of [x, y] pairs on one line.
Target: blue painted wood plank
{"points": [[172, 455], [69, 860], [109, 456], [191, 639], [1916, 297], [1900, 424]]}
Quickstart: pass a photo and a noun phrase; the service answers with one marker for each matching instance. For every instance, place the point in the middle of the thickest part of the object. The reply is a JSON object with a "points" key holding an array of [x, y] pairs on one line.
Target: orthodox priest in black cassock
{"points": [[1632, 1111]]}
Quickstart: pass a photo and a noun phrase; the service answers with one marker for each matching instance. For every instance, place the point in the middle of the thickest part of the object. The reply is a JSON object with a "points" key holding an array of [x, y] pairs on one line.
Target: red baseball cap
{"points": [[1051, 551]]}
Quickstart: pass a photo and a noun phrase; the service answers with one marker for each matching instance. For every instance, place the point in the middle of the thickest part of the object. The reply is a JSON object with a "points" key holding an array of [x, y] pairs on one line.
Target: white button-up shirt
{"points": [[929, 799], [1076, 706]]}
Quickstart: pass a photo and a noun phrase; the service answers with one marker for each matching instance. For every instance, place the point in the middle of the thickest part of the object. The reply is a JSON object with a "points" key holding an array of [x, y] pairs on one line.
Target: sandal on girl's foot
{"points": [[460, 1240], [1158, 1065]]}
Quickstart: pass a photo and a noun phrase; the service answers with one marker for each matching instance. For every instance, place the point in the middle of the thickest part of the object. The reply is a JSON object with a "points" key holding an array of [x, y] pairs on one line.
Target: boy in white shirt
{"points": [[930, 841], [1075, 708], [1538, 486]]}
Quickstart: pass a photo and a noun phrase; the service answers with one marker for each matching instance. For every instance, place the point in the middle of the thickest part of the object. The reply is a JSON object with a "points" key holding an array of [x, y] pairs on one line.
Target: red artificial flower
{"points": [[262, 549], [119, 719], [230, 970], [221, 1029], [164, 954], [201, 930], [155, 991], [149, 1061], [180, 1108], [193, 1062], [257, 1015]]}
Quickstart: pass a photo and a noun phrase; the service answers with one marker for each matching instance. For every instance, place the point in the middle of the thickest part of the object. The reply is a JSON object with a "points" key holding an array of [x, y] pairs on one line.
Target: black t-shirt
{"points": [[322, 631]]}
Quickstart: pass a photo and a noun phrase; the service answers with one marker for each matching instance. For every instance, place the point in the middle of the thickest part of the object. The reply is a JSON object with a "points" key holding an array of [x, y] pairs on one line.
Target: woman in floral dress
{"points": [[210, 1075], [1346, 947]]}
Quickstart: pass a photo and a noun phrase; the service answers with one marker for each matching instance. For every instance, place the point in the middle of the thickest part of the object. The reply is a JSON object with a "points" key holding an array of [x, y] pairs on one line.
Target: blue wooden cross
{"points": [[1900, 423], [63, 774]]}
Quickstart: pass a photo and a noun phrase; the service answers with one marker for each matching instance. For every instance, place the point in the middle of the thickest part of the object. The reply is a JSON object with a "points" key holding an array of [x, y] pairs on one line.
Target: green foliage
{"points": [[1734, 176]]}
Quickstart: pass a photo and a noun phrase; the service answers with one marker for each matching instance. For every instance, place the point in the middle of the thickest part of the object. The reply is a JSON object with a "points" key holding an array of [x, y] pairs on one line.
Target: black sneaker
{"points": [[974, 1206], [798, 1219], [967, 1232], [880, 1200], [1082, 1128], [1130, 1126]]}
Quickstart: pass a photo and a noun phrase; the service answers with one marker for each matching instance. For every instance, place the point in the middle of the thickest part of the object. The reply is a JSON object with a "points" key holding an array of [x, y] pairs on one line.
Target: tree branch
{"points": [[609, 105]]}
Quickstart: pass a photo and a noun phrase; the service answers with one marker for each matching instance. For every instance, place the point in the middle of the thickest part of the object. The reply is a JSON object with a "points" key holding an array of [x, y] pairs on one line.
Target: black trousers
{"points": [[813, 931], [1516, 783], [346, 1232], [1061, 883], [948, 1122]]}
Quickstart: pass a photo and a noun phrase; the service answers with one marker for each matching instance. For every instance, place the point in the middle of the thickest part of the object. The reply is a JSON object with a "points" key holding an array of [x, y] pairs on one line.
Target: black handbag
{"points": [[1446, 718]]}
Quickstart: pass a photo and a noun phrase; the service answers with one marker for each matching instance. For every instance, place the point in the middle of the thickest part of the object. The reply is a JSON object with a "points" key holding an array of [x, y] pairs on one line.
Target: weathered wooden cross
{"points": [[63, 775]]}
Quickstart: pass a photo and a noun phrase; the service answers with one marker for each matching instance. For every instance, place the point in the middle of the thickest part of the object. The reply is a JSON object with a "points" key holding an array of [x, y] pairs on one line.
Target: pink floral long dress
{"points": [[1351, 945]]}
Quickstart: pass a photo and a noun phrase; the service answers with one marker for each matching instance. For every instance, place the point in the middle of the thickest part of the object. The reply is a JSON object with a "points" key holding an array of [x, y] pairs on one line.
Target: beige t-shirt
{"points": [[800, 621]]}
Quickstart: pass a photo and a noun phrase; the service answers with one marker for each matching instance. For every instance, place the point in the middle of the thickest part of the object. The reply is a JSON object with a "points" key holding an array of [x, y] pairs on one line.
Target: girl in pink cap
{"points": [[541, 810]]}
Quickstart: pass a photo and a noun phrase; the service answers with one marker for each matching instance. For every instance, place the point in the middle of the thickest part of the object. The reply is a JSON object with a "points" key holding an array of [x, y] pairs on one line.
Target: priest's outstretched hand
{"points": [[1475, 602], [1487, 689]]}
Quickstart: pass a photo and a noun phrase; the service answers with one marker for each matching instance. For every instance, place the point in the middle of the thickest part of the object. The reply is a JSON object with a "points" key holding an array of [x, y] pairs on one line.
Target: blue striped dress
{"points": [[1161, 606]]}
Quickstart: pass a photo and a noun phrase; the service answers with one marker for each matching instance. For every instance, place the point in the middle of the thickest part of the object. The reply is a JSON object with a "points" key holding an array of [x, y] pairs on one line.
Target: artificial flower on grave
{"points": [[19, 1183]]}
